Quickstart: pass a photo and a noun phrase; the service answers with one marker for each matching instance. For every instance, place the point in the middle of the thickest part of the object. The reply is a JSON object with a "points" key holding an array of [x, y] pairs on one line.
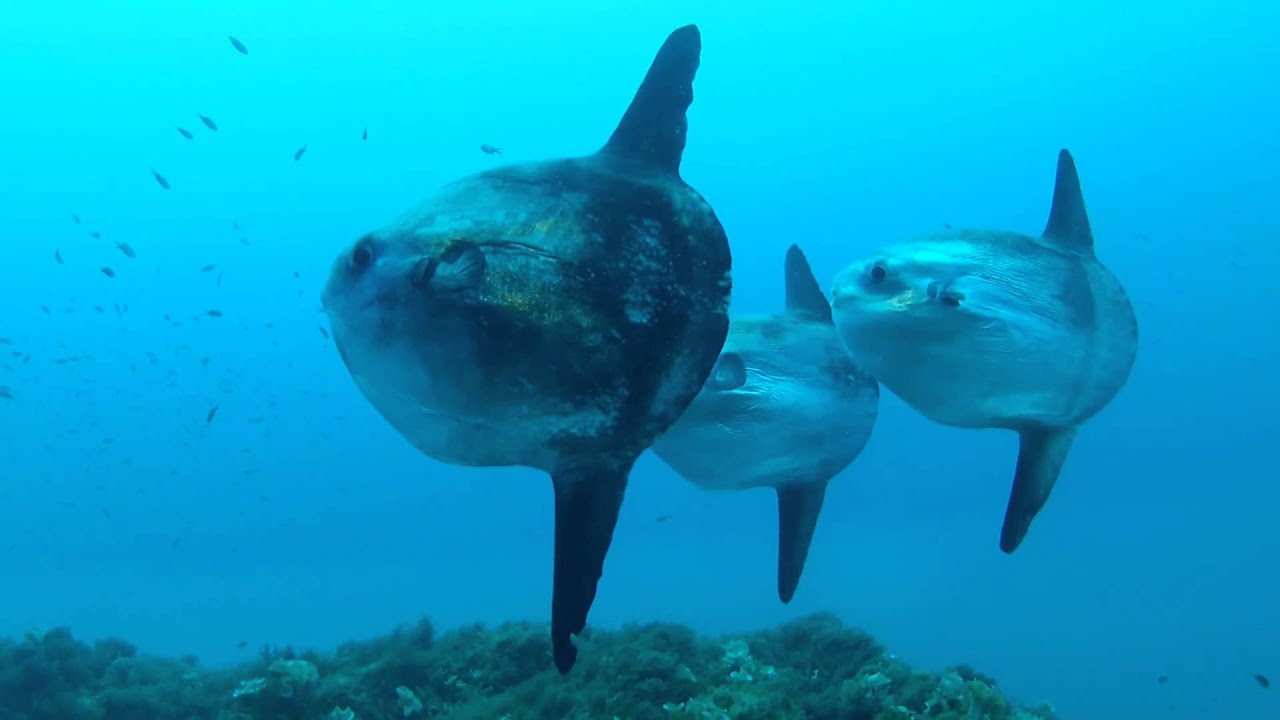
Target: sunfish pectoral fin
{"points": [[587, 502], [798, 509], [729, 373], [460, 267], [1040, 456], [1068, 222], [804, 298], [652, 131]]}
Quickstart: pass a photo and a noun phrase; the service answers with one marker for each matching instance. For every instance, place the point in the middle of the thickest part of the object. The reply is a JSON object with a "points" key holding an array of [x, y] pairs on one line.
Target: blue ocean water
{"points": [[296, 515]]}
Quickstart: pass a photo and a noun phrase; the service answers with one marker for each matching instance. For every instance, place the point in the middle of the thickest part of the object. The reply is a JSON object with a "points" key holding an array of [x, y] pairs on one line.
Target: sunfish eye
{"points": [[361, 256], [878, 272], [729, 373]]}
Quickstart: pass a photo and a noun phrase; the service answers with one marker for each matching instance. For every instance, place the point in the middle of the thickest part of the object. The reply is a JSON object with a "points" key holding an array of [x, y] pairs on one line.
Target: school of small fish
{"points": [[157, 347]]}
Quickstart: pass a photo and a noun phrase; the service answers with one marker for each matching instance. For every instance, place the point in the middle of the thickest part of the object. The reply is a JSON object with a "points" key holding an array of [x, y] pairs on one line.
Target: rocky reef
{"points": [[815, 668]]}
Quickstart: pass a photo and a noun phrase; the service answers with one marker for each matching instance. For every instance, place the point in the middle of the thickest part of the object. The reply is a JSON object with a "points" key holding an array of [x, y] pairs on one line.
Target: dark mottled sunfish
{"points": [[558, 315]]}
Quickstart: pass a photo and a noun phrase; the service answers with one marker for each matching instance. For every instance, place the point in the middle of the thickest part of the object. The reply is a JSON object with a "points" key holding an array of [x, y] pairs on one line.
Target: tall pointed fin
{"points": [[798, 509], [1068, 222], [653, 129], [587, 504], [804, 298], [1040, 457]]}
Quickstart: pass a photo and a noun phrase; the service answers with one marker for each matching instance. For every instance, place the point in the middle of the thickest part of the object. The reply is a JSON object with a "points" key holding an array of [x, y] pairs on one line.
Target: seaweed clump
{"points": [[815, 668]]}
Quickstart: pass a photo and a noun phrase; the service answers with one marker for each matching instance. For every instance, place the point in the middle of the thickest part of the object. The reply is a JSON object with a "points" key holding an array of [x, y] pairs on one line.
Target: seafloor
{"points": [[812, 669]]}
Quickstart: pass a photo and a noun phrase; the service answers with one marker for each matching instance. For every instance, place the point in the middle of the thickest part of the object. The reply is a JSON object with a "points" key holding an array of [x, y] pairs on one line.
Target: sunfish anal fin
{"points": [[587, 502], [1040, 456], [1068, 224], [804, 298], [798, 509], [653, 129]]}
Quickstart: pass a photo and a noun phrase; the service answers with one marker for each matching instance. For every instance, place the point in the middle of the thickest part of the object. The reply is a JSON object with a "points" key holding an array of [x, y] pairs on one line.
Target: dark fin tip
{"points": [[653, 129], [798, 508], [1041, 453], [804, 298], [1068, 222], [587, 504]]}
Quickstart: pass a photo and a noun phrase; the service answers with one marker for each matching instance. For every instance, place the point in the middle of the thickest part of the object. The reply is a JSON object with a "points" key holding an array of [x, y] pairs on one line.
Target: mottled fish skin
{"points": [[558, 315], [995, 329], [578, 288]]}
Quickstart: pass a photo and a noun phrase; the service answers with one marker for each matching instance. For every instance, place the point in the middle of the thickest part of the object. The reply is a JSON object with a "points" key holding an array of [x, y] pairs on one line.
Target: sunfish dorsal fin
{"points": [[653, 129], [804, 298], [1068, 223]]}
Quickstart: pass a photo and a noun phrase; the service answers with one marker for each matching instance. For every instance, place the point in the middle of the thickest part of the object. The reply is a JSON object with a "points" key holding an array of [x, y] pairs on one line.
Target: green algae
{"points": [[815, 668]]}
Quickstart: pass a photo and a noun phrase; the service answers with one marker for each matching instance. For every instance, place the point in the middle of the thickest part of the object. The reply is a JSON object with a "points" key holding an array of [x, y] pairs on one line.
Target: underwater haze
{"points": [[187, 463]]}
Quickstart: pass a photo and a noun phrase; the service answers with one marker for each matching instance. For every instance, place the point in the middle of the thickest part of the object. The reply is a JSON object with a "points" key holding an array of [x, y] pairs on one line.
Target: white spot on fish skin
{"points": [[638, 307]]}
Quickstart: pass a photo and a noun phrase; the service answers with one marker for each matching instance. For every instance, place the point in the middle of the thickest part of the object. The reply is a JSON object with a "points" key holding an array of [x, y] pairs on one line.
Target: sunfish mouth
{"points": [[844, 294]]}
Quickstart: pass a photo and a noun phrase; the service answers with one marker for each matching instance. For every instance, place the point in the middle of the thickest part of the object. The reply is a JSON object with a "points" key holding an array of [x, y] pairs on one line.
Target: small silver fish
{"points": [[238, 45], [298, 155], [365, 135], [185, 133], [208, 121], [127, 249], [490, 150], [160, 179]]}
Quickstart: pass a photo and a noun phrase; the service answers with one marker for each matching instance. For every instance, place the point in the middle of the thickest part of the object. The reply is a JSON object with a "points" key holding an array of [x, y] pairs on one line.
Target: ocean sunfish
{"points": [[558, 315], [992, 329], [785, 407]]}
